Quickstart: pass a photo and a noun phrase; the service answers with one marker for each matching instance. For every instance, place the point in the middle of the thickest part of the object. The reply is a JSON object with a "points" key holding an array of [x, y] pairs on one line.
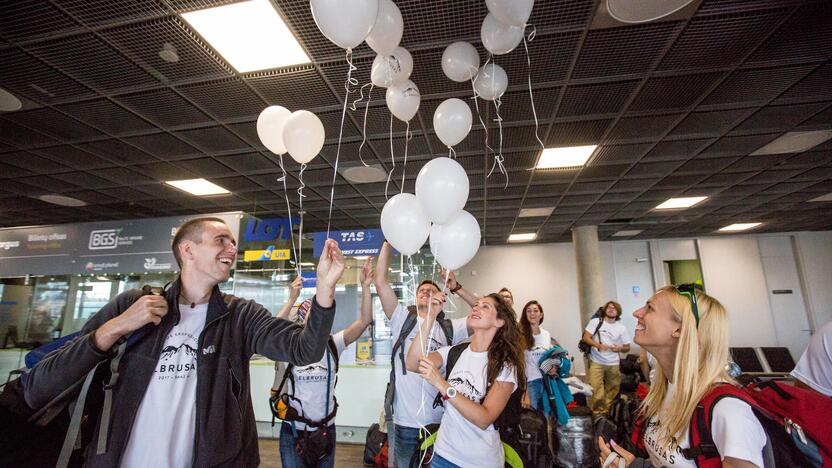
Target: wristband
{"points": [[457, 288]]}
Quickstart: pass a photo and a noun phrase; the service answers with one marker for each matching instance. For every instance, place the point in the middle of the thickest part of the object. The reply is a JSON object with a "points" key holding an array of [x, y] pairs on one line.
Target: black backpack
{"points": [[583, 346], [57, 434], [398, 348], [372, 446]]}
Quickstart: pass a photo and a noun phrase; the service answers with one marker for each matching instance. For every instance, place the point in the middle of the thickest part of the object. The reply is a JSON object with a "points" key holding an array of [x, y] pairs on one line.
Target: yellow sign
{"points": [[363, 351], [263, 255]]}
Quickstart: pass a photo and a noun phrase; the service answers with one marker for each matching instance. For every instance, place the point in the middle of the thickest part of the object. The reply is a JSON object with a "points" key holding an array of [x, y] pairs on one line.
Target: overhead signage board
{"points": [[129, 246], [353, 243]]}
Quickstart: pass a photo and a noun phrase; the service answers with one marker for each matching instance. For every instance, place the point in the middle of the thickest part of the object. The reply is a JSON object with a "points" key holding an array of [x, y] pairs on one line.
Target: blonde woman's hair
{"points": [[701, 356]]}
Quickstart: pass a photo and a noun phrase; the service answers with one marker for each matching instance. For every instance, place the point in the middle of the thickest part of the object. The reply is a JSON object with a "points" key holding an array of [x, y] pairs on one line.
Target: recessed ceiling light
{"points": [[795, 142], [627, 233], [9, 102], [168, 53], [199, 187], [536, 212], [61, 200], [568, 156], [678, 203], [250, 35], [739, 227], [823, 198], [529, 236], [365, 174]]}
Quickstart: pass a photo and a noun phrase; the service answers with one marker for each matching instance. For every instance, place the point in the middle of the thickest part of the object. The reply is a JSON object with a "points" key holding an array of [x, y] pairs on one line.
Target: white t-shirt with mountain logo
{"points": [[165, 424], [310, 385], [460, 441]]}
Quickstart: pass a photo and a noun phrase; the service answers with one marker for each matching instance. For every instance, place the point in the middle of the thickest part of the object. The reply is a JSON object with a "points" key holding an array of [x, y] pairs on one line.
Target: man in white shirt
{"points": [[412, 398], [607, 337], [814, 370]]}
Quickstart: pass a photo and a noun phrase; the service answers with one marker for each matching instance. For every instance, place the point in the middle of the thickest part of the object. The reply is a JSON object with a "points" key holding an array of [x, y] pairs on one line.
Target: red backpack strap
{"points": [[637, 437], [702, 446]]}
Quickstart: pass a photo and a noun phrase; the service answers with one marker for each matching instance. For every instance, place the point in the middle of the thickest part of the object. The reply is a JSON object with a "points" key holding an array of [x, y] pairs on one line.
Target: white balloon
{"points": [[460, 61], [345, 22], [499, 38], [303, 134], [390, 69], [442, 189], [457, 241], [387, 31], [511, 12], [404, 223], [270, 128], [403, 100], [435, 234], [452, 121], [491, 82]]}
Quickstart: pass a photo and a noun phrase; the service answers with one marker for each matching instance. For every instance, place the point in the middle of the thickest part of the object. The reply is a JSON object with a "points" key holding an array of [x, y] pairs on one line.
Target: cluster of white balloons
{"points": [[435, 211], [299, 133]]}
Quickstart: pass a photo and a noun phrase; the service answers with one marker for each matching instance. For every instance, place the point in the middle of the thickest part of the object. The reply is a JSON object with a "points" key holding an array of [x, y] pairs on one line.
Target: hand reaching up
{"points": [[330, 268], [368, 274]]}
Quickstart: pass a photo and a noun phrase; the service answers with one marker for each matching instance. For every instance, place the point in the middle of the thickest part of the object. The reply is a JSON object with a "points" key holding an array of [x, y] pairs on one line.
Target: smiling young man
{"points": [[183, 396]]}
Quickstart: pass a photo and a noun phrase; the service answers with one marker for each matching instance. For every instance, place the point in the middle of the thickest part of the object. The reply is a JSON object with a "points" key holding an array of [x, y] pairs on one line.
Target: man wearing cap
{"points": [[183, 394]]}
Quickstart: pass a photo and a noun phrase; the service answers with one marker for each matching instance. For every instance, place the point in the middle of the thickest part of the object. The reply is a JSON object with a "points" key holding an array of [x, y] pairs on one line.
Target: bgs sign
{"points": [[103, 239]]}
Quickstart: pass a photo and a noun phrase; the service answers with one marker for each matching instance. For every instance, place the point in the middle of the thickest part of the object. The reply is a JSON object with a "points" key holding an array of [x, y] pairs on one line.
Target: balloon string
{"points": [[477, 106], [364, 128], [350, 81], [289, 211], [392, 158], [531, 96], [301, 196], [407, 137], [498, 159], [452, 152]]}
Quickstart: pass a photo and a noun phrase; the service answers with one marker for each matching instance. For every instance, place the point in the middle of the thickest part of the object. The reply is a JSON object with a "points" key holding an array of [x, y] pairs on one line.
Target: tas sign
{"points": [[353, 243]]}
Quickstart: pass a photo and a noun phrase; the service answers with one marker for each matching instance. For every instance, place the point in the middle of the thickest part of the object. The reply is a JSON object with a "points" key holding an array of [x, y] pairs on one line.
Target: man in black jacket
{"points": [[183, 396]]}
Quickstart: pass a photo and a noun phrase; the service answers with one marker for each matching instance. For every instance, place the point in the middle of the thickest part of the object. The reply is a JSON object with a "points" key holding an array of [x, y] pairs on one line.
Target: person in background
{"points": [[455, 287], [536, 341], [604, 374], [507, 296], [307, 385], [689, 339], [814, 370], [409, 389], [478, 388]]}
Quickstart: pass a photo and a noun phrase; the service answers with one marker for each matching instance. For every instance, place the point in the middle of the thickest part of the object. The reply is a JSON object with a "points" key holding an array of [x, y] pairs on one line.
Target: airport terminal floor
{"points": [[605, 225]]}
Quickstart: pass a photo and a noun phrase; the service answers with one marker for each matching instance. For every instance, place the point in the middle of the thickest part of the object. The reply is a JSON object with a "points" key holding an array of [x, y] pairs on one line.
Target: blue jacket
{"points": [[557, 392]]}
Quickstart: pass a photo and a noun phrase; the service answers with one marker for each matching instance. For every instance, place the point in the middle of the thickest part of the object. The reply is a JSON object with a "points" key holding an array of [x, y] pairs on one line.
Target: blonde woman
{"points": [[687, 332]]}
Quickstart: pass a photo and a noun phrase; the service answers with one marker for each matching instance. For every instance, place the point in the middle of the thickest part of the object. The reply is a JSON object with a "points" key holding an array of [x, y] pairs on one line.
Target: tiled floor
{"points": [[346, 455]]}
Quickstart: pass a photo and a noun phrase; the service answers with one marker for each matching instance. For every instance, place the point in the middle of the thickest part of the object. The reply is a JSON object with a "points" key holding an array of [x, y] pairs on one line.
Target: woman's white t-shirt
{"points": [[459, 440], [736, 432], [542, 343]]}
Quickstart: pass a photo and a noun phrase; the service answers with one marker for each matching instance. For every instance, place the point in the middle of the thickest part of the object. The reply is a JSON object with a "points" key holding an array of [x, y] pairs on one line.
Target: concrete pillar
{"points": [[588, 262]]}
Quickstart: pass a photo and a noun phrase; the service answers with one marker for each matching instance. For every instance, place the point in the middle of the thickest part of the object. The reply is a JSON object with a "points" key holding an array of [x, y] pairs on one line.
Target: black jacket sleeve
{"points": [[282, 340], [68, 364]]}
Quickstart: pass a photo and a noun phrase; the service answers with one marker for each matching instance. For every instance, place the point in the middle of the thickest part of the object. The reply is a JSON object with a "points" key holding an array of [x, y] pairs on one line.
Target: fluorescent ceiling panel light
{"points": [[61, 200], [569, 156], [823, 198], [678, 203], [795, 142], [627, 233], [739, 227], [536, 212], [529, 236], [250, 35], [199, 187]]}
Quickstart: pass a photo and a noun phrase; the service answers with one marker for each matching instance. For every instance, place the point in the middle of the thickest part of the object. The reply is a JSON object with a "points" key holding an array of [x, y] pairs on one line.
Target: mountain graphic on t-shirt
{"points": [[311, 369], [169, 351], [466, 388]]}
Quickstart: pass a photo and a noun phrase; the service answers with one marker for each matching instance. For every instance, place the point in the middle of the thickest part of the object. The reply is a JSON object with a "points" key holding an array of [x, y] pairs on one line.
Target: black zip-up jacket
{"points": [[226, 434]]}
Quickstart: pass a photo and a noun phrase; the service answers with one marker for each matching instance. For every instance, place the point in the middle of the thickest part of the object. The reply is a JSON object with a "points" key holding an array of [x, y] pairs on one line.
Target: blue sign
{"points": [[310, 279], [265, 230], [353, 243]]}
